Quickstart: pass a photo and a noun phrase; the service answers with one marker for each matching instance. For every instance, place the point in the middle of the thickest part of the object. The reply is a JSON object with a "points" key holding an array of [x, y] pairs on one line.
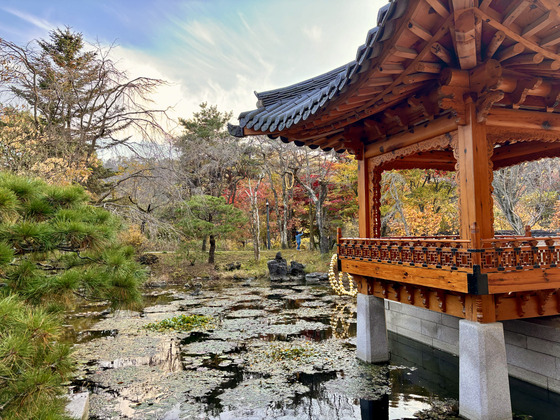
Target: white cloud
{"points": [[314, 32], [209, 60], [34, 20]]}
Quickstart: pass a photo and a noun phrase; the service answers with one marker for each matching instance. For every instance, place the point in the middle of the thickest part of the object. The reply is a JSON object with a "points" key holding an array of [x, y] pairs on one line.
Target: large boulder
{"points": [[297, 270], [278, 268]]}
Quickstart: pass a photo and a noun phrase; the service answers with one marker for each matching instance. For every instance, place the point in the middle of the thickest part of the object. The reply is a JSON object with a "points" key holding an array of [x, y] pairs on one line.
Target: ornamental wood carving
{"points": [[442, 142]]}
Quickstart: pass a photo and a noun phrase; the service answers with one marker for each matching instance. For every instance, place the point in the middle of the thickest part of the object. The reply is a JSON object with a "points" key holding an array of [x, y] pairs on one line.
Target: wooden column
{"points": [[375, 202], [364, 200], [474, 177]]}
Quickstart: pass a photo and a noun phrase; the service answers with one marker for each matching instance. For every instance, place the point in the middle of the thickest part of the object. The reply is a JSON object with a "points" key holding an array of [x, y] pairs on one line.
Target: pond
{"points": [[272, 351]]}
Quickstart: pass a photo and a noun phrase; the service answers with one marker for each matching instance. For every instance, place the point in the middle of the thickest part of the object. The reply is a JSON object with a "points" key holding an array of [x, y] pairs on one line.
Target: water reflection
{"points": [[346, 389]]}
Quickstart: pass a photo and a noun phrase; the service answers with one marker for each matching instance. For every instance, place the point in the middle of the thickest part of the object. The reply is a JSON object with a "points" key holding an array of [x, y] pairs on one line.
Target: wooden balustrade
{"points": [[500, 254]]}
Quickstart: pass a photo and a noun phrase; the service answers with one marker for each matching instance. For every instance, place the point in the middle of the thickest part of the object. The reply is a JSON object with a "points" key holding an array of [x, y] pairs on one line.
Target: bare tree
{"points": [[77, 96], [312, 171], [526, 193]]}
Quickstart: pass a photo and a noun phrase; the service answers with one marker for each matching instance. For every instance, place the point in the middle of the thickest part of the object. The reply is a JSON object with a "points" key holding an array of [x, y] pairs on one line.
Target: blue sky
{"points": [[218, 51]]}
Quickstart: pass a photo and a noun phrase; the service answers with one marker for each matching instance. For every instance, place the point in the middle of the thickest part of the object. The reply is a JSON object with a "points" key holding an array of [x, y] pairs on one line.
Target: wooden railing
{"points": [[520, 253], [511, 253], [434, 252]]}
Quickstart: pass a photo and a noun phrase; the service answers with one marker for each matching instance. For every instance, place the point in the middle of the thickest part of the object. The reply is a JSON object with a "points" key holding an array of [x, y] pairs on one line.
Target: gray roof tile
{"points": [[279, 109]]}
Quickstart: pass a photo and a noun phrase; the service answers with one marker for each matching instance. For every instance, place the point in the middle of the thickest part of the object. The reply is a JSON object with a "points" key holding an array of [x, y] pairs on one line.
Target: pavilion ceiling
{"points": [[415, 70]]}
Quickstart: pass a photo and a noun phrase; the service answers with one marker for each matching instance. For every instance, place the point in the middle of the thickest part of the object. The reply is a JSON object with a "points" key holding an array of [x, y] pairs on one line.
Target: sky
{"points": [[214, 51]]}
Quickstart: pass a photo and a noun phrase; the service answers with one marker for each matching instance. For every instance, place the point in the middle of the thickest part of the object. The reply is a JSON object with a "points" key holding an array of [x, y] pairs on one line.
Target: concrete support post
{"points": [[372, 343], [483, 372]]}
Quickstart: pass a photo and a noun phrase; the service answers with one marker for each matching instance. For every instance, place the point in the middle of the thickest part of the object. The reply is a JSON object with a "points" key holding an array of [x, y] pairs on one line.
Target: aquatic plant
{"points": [[181, 323], [290, 352]]}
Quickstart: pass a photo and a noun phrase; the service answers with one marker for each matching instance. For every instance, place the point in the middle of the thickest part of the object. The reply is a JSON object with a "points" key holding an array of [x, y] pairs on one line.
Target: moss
{"points": [[181, 323]]}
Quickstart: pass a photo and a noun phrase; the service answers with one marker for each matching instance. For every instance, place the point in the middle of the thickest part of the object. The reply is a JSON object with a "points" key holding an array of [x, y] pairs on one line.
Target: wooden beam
{"points": [[538, 25], [485, 4], [378, 81], [515, 12], [526, 42], [533, 58], [550, 40], [404, 52], [463, 4], [465, 38], [368, 91], [433, 129], [530, 120], [391, 69], [425, 67], [419, 31], [441, 52], [513, 154], [419, 77], [364, 208], [419, 164], [439, 7], [427, 277], [495, 43], [523, 281], [510, 51]]}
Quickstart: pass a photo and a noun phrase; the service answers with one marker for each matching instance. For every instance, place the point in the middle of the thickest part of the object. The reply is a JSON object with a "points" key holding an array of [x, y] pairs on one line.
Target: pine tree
{"points": [[54, 249]]}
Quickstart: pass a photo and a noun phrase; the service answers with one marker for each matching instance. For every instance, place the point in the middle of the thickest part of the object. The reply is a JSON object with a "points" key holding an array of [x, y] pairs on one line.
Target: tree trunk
{"points": [[212, 250], [204, 244], [323, 237], [285, 212], [311, 229], [255, 220]]}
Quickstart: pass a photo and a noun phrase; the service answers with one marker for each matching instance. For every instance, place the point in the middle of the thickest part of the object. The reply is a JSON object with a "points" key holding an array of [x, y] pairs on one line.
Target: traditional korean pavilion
{"points": [[459, 85]]}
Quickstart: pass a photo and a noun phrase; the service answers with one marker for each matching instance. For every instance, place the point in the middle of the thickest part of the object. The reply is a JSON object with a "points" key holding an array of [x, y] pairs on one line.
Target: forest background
{"points": [[66, 105]]}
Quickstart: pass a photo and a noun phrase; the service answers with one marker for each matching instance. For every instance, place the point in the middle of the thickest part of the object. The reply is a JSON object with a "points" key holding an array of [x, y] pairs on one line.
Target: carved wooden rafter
{"points": [[410, 293], [425, 296], [542, 298], [521, 301], [441, 297], [485, 102], [522, 89], [479, 308]]}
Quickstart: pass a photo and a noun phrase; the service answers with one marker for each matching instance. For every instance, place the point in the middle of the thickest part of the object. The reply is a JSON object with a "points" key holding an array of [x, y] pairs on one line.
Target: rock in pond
{"points": [[316, 278], [278, 268]]}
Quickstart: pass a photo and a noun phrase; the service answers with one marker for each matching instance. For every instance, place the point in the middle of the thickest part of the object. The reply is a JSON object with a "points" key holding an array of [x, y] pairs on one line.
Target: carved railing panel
{"points": [[448, 252]]}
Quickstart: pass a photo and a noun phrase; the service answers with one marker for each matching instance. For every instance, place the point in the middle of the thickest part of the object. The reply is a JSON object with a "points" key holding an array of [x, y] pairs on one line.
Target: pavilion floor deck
{"points": [[518, 276]]}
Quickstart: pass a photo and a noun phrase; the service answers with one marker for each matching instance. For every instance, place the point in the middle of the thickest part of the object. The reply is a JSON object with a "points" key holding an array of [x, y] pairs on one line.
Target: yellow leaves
{"points": [[423, 222], [58, 171], [134, 237]]}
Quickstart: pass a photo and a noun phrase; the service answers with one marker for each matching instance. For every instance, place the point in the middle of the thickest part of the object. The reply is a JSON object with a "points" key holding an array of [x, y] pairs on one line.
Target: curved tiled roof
{"points": [[283, 108]]}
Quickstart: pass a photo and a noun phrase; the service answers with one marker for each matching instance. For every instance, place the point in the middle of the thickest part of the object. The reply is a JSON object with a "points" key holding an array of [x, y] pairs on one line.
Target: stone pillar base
{"points": [[372, 345], [483, 372]]}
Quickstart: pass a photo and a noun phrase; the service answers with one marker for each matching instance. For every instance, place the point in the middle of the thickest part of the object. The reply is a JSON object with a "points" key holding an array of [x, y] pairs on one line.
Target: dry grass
{"points": [[179, 267]]}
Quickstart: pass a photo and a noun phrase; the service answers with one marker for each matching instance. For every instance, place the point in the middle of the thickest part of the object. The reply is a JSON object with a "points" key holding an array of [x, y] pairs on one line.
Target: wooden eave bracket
{"points": [[352, 140], [522, 89], [479, 85]]}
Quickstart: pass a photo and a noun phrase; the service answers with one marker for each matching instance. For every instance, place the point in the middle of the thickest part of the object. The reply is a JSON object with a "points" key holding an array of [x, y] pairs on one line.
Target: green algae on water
{"points": [[181, 323]]}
